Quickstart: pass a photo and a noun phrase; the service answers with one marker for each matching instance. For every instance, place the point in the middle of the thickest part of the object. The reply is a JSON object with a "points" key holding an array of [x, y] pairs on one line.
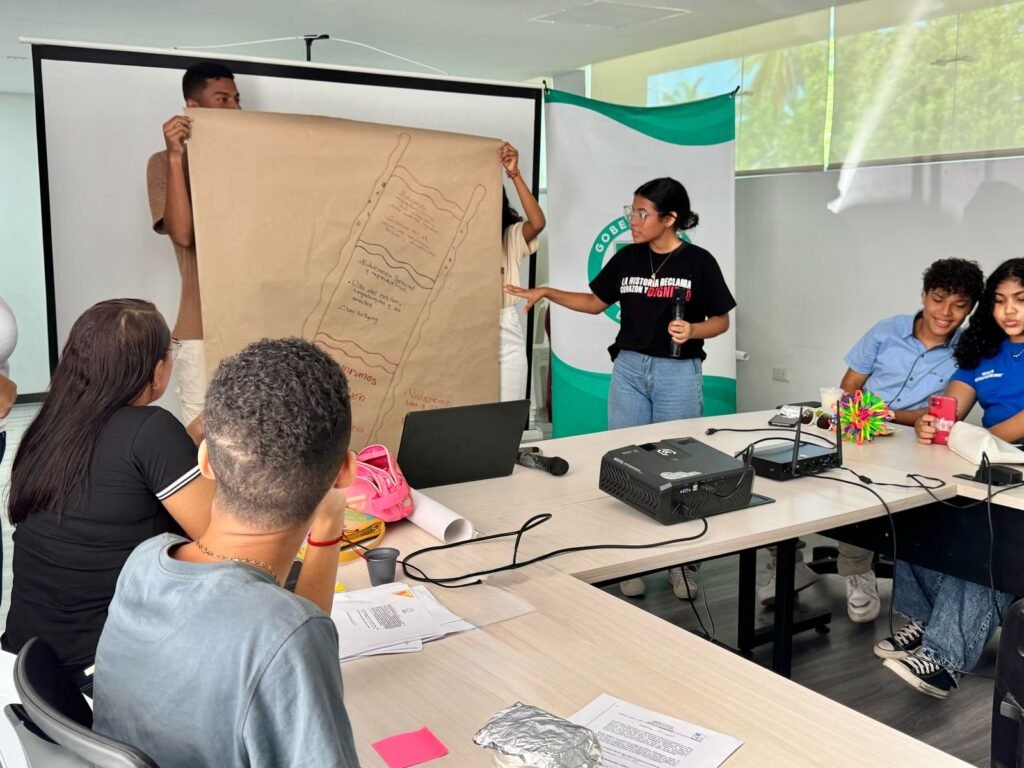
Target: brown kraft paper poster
{"points": [[381, 244]]}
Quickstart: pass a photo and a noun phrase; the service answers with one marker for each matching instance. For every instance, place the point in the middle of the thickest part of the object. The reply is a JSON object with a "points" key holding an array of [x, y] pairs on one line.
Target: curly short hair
{"points": [[278, 423], [955, 276], [194, 80]]}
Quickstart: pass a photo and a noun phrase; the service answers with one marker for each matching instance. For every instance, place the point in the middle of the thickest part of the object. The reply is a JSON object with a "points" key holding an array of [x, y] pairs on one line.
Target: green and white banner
{"points": [[597, 154]]}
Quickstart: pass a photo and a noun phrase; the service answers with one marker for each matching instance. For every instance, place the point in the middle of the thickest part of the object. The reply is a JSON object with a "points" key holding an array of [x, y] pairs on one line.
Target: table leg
{"points": [[782, 649], [745, 635]]}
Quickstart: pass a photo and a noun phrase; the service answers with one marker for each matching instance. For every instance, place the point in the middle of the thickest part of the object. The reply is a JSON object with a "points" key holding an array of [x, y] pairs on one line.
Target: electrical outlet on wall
{"points": [[779, 373]]}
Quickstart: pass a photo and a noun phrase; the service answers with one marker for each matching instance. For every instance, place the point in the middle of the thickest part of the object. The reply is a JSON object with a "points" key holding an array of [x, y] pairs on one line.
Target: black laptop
{"points": [[457, 445]]}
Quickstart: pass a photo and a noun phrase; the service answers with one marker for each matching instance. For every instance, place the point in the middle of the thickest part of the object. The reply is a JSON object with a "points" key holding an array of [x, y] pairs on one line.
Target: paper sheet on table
{"points": [[367, 623], [370, 619], [634, 737], [438, 520]]}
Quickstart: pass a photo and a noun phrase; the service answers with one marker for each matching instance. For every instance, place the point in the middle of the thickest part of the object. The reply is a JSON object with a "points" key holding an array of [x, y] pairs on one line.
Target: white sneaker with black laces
{"points": [[923, 674], [862, 603], [904, 643]]}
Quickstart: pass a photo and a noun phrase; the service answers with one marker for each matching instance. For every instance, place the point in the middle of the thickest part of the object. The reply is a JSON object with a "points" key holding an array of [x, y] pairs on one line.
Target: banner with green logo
{"points": [[597, 154]]}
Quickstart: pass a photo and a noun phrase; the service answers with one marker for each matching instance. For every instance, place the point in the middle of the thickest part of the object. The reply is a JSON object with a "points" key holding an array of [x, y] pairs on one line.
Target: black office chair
{"points": [[1007, 749], [54, 721]]}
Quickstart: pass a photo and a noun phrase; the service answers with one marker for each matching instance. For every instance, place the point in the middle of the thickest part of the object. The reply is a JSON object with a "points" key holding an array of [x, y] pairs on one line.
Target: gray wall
{"points": [[21, 241]]}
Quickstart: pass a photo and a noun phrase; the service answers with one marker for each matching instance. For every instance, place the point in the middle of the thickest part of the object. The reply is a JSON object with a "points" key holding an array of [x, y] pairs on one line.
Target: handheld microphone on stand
{"points": [[678, 308], [553, 465]]}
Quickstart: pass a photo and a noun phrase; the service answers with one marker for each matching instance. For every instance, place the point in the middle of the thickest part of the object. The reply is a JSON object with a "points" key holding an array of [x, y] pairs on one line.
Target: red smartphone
{"points": [[943, 408]]}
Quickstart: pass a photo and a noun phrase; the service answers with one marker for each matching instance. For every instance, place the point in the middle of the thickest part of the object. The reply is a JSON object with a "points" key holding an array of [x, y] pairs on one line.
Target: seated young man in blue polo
{"points": [[205, 659], [905, 359]]}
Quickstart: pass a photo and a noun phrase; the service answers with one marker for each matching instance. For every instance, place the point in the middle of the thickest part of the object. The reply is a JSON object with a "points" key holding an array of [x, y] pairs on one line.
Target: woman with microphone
{"points": [[649, 383]]}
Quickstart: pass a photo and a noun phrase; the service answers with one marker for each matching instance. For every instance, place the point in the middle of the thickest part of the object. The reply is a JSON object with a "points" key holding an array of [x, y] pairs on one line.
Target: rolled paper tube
{"points": [[439, 521]]}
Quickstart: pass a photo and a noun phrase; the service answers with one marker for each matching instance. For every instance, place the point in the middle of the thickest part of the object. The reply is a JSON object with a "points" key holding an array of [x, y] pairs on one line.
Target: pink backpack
{"points": [[380, 488]]}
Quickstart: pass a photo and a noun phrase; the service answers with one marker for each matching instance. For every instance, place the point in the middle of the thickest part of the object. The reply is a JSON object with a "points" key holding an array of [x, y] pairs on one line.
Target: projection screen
{"points": [[99, 113]]}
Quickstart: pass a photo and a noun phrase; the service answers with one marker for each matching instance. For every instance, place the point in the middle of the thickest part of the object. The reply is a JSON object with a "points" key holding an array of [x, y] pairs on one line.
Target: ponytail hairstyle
{"points": [[670, 198], [982, 338], [509, 215], [107, 362]]}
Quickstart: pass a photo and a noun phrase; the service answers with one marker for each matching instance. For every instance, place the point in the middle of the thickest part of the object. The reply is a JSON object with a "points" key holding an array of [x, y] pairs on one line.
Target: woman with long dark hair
{"points": [[649, 383], [950, 619], [518, 241], [97, 472]]}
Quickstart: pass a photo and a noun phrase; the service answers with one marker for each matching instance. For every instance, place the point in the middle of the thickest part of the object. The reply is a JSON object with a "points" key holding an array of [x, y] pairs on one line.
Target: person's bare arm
{"points": [[8, 394], [682, 331], [909, 418], [191, 506], [853, 380], [575, 300], [319, 572], [535, 220], [1010, 430], [178, 206]]}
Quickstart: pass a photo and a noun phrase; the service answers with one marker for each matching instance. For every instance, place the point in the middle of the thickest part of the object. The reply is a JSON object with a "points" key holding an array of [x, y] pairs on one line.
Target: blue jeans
{"points": [[648, 390], [958, 615]]}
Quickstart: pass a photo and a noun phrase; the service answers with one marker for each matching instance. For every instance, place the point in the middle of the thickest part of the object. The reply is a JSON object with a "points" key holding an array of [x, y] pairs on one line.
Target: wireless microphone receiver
{"points": [[553, 465], [678, 308]]}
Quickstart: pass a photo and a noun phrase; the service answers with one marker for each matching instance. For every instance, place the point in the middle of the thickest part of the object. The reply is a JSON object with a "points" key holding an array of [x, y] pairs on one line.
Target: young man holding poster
{"points": [[206, 84]]}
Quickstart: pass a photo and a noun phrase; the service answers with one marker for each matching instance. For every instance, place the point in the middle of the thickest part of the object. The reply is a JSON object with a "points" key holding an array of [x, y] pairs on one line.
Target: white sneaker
{"points": [[862, 603], [685, 582], [633, 587], [803, 577]]}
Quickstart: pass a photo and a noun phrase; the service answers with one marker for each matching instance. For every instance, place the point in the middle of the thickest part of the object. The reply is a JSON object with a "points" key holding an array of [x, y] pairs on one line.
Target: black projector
{"points": [[676, 480]]}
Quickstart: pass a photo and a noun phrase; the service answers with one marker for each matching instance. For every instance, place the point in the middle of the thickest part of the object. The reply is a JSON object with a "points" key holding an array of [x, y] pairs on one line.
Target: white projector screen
{"points": [[99, 114]]}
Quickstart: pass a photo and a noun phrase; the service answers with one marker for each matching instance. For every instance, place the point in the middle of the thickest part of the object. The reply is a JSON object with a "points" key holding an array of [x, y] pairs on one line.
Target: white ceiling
{"points": [[495, 39]]}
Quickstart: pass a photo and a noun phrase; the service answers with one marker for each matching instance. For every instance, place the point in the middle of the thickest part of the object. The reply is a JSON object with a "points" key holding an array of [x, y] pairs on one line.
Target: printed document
{"points": [[633, 737]]}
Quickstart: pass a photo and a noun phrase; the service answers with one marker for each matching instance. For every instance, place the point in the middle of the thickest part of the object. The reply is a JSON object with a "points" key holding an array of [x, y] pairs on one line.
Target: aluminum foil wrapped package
{"points": [[522, 735]]}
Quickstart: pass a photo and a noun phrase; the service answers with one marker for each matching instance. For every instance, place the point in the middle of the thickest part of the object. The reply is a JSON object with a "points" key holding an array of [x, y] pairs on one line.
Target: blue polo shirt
{"points": [[899, 368], [999, 383]]}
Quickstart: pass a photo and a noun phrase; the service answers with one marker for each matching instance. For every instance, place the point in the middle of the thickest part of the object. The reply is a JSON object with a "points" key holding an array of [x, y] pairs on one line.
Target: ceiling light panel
{"points": [[614, 15]]}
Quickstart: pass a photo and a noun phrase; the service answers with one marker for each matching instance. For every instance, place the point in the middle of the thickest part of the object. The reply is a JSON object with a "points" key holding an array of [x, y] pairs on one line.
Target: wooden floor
{"points": [[840, 664]]}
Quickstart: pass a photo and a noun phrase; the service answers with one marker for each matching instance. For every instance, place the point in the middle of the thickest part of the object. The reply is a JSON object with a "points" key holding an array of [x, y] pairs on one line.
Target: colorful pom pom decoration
{"points": [[863, 416]]}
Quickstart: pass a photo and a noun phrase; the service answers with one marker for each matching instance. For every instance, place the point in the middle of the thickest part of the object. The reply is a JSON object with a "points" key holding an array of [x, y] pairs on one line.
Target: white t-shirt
{"points": [[8, 341], [516, 249]]}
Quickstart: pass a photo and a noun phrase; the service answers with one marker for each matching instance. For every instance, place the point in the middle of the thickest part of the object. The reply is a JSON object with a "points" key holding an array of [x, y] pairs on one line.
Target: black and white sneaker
{"points": [[923, 674], [901, 645]]}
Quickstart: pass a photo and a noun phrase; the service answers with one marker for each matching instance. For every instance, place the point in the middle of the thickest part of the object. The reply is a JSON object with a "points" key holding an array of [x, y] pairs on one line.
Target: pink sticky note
{"points": [[412, 748]]}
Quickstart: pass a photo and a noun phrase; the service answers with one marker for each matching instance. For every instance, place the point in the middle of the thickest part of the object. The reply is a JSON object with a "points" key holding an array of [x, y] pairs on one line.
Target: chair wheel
{"points": [[824, 629]]}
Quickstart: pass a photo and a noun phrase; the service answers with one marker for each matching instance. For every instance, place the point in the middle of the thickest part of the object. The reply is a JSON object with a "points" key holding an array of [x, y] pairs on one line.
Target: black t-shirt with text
{"points": [[66, 565], [646, 304]]}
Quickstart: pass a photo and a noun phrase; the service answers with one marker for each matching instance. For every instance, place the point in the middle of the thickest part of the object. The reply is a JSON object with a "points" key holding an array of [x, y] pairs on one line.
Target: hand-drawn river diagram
{"points": [[374, 302], [380, 244]]}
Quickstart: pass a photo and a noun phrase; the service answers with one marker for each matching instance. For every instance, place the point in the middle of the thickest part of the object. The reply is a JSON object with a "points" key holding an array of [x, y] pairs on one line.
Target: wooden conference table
{"points": [[578, 642]]}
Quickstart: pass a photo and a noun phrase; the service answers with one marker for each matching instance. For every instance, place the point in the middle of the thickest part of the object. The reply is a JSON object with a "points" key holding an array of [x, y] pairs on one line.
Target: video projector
{"points": [[676, 480]]}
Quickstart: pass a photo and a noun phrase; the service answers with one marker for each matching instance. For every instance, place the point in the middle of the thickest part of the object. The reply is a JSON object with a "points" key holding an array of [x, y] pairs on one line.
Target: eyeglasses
{"points": [[629, 210], [174, 349]]}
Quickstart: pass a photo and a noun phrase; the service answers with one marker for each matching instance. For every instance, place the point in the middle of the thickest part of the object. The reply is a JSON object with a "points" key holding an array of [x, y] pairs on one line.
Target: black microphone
{"points": [[678, 307], [553, 465]]}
